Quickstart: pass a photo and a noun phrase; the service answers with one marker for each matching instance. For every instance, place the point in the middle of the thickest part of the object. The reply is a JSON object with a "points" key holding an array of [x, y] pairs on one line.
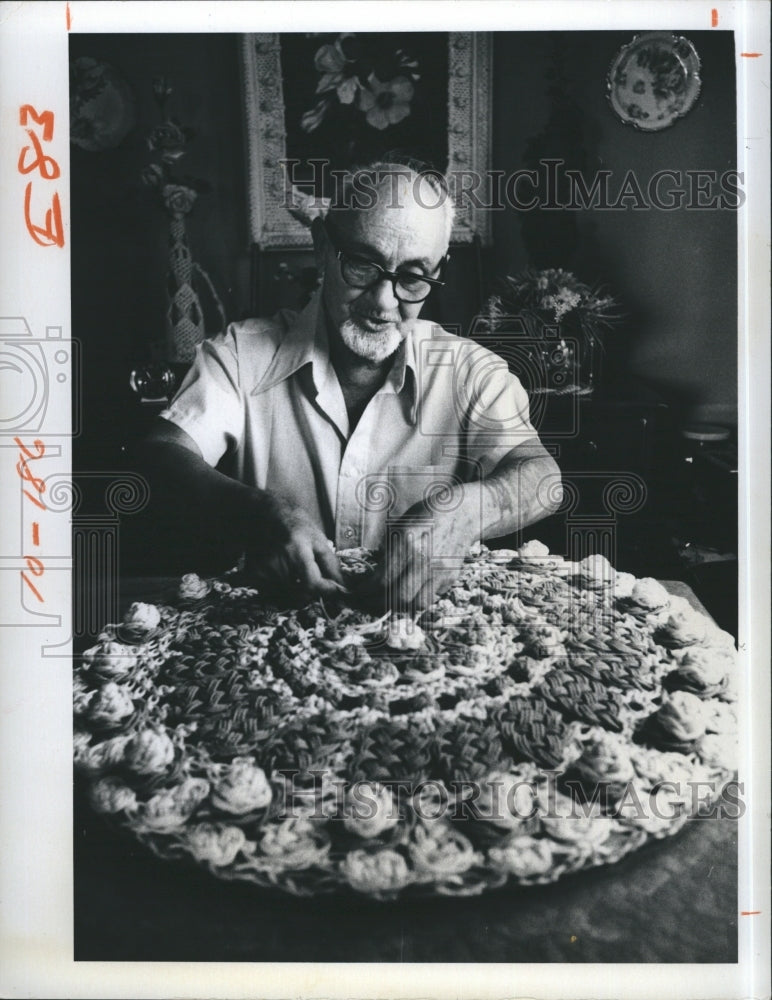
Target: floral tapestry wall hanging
{"points": [[317, 103]]}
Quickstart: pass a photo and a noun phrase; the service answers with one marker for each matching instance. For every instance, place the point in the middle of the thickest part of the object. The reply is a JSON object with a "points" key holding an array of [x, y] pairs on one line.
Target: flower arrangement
{"points": [[354, 73], [549, 298], [169, 141]]}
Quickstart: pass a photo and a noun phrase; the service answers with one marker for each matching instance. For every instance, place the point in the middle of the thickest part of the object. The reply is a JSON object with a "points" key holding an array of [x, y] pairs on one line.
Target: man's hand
{"points": [[283, 545], [424, 551], [288, 550]]}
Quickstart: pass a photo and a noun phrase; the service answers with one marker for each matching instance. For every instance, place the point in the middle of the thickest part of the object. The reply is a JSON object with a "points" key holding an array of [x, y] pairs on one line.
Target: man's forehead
{"points": [[413, 224]]}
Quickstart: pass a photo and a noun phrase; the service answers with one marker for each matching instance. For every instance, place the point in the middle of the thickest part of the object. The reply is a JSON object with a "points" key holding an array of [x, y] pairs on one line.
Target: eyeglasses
{"points": [[408, 286]]}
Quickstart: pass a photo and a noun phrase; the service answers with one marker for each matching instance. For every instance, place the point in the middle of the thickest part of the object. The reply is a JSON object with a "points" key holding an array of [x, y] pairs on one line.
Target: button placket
{"points": [[350, 519]]}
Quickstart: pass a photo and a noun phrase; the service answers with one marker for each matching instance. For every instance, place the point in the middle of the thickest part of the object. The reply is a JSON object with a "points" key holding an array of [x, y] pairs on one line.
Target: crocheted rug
{"points": [[540, 718]]}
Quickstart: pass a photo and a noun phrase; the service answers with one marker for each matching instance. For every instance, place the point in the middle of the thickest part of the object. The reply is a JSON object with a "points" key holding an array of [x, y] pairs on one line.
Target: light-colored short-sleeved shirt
{"points": [[263, 403]]}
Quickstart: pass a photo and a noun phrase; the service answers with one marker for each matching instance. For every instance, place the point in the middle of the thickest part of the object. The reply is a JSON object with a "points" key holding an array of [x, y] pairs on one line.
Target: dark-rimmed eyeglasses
{"points": [[408, 286]]}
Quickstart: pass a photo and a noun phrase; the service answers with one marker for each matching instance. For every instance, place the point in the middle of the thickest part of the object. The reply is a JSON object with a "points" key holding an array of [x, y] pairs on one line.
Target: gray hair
{"points": [[363, 186]]}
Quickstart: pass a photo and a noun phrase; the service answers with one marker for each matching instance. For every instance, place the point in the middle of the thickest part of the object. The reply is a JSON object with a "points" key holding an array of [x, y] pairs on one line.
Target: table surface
{"points": [[673, 901]]}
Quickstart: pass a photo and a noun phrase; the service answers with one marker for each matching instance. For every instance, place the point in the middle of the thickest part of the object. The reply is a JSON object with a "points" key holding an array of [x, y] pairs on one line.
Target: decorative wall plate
{"points": [[103, 109], [654, 80]]}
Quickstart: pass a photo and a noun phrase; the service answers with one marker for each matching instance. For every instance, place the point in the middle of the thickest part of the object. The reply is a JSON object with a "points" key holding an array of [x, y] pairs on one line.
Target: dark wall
{"points": [[675, 272], [119, 232]]}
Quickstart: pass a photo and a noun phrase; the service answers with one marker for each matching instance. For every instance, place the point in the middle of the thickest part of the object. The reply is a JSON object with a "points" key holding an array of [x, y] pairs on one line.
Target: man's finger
{"points": [[328, 562], [310, 575]]}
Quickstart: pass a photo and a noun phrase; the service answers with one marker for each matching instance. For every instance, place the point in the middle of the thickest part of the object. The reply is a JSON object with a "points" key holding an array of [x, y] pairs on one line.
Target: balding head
{"points": [[393, 186]]}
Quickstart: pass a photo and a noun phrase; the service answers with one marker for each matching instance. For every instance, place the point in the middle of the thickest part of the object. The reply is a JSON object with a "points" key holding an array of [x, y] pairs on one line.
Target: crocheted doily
{"points": [[540, 718]]}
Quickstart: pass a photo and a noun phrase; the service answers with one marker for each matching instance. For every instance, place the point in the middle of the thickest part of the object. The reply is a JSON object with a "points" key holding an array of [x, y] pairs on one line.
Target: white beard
{"points": [[373, 346]]}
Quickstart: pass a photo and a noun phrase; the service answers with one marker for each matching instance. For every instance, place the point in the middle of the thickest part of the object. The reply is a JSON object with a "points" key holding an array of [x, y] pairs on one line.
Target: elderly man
{"points": [[354, 423]]}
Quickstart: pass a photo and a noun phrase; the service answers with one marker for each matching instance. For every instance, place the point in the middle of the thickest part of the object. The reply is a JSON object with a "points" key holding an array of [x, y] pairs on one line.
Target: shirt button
{"points": [[349, 532]]}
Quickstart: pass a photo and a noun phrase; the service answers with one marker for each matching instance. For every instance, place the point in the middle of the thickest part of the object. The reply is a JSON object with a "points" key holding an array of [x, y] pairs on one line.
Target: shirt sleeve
{"points": [[497, 413], [209, 405]]}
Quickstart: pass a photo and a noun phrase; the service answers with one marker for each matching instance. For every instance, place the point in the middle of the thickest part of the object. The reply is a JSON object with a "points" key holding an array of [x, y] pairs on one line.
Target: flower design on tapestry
{"points": [[354, 73]]}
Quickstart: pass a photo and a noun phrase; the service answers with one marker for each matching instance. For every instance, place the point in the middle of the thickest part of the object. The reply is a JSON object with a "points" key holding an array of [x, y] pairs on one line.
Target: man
{"points": [[355, 423]]}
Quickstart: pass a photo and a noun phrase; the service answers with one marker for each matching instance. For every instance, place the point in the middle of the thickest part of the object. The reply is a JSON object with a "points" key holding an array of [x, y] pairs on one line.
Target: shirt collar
{"points": [[298, 347], [306, 342]]}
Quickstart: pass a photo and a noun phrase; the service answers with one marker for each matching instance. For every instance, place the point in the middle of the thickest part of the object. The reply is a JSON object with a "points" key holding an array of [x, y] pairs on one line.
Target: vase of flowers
{"points": [[185, 319], [564, 320]]}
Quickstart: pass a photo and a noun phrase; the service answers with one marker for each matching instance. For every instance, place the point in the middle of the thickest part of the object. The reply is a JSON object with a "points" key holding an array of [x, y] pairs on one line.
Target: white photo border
{"points": [[35, 694]]}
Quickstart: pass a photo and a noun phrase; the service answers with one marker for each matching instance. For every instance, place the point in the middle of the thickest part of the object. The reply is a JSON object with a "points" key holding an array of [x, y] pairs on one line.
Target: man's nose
{"points": [[383, 294]]}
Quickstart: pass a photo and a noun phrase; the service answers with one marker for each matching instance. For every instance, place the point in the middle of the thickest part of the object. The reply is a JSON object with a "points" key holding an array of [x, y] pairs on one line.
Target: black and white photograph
{"points": [[408, 570]]}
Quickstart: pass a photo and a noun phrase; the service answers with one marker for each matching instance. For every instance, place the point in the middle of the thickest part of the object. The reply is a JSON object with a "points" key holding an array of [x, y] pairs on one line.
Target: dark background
{"points": [[672, 361]]}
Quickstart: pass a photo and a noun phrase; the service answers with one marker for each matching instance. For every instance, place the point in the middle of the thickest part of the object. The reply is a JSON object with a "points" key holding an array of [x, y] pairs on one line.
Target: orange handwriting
{"points": [[51, 231], [26, 455]]}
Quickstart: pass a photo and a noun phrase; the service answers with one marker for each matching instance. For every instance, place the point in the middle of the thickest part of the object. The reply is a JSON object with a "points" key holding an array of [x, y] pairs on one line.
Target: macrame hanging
{"points": [[186, 325]]}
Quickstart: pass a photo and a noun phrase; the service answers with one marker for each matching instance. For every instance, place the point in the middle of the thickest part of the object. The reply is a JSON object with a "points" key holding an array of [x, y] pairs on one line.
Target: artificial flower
{"points": [[370, 809], [703, 669], [111, 704], [150, 751], [683, 717], [547, 298], [333, 65], [241, 787], [386, 103], [403, 633], [522, 856], [606, 757], [178, 199], [141, 618], [384, 871], [171, 808], [683, 628], [214, 843], [533, 550], [649, 594], [169, 140], [111, 795], [596, 569], [111, 658], [440, 851], [293, 842], [192, 587]]}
